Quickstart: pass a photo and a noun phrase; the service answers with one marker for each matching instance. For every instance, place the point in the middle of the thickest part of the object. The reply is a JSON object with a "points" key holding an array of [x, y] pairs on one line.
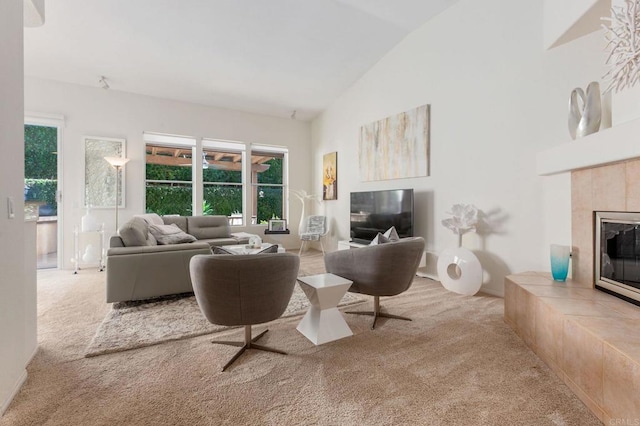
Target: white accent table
{"points": [[324, 322]]}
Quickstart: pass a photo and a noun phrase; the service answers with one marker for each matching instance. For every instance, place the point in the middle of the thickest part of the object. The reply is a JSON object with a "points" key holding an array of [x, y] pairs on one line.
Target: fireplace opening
{"points": [[617, 254]]}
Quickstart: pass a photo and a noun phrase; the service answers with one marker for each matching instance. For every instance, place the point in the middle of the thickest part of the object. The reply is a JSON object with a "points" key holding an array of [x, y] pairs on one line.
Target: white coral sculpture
{"points": [[464, 218], [302, 195], [624, 44]]}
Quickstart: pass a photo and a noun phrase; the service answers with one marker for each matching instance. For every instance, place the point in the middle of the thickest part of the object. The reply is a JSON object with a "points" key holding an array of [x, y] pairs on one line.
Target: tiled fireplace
{"points": [[614, 187], [589, 338], [617, 254]]}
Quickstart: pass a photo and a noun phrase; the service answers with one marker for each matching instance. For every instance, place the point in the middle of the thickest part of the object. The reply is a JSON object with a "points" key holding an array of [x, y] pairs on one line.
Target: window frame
{"points": [[201, 145]]}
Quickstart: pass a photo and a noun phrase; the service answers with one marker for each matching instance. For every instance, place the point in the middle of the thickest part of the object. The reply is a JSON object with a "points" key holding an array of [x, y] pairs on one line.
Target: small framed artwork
{"points": [[330, 176], [276, 225]]}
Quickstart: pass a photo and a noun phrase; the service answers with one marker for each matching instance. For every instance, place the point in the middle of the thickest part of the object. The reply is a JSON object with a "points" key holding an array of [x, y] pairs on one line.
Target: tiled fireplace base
{"points": [[590, 339]]}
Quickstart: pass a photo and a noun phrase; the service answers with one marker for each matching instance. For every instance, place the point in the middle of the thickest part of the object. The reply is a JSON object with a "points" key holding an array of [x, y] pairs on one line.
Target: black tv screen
{"points": [[377, 211]]}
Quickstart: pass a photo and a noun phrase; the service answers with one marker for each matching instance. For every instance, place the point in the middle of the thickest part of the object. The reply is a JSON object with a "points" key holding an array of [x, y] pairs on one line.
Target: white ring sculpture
{"points": [[460, 271]]}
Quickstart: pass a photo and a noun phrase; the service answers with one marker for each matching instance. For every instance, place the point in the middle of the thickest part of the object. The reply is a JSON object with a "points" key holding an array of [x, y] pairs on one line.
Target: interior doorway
{"points": [[41, 183]]}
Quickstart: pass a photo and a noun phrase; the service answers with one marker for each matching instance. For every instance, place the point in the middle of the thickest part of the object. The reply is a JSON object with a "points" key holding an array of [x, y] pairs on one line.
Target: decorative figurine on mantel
{"points": [[459, 270], [585, 111]]}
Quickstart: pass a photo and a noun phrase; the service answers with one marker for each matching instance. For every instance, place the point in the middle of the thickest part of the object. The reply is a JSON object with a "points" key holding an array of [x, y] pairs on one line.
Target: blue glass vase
{"points": [[560, 256]]}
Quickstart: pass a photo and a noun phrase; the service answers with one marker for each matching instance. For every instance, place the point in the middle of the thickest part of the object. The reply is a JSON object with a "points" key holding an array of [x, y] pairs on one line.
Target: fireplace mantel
{"points": [[618, 143]]}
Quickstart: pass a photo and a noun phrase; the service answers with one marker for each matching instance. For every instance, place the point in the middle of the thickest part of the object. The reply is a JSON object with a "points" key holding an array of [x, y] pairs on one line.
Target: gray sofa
{"points": [[140, 268]]}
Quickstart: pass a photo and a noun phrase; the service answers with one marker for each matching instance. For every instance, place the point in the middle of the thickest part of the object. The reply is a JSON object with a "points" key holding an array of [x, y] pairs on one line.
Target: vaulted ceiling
{"points": [[264, 56]]}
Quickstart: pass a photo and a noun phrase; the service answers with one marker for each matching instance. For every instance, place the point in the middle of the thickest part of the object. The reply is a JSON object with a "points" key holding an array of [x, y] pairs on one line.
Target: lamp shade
{"points": [[117, 161]]}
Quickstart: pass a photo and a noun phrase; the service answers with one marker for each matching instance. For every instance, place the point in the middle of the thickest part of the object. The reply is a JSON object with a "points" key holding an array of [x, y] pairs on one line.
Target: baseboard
{"points": [[33, 354], [492, 292], [13, 394], [422, 273]]}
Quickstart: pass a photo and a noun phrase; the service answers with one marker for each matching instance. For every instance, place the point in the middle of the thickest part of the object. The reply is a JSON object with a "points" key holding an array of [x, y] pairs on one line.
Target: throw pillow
{"points": [[392, 234], [134, 232], [271, 249], [220, 250], [379, 239], [151, 218], [170, 234]]}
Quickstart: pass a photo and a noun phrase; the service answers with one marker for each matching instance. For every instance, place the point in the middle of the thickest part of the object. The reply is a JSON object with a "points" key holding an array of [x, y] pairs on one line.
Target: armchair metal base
{"points": [[376, 313], [247, 344]]}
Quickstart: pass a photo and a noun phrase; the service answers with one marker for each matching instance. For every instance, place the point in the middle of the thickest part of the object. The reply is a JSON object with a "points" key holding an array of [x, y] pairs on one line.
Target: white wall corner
{"points": [[567, 20], [33, 13]]}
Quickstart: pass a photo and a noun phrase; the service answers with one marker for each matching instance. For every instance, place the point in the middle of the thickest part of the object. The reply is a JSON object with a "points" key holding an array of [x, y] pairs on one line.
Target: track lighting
{"points": [[103, 82]]}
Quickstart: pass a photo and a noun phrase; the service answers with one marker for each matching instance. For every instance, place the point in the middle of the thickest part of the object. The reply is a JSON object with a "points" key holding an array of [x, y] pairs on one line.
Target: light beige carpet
{"points": [[456, 363], [138, 324]]}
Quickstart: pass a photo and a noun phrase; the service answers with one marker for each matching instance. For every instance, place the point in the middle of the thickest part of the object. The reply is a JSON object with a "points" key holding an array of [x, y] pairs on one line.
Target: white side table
{"points": [[323, 321], [88, 248]]}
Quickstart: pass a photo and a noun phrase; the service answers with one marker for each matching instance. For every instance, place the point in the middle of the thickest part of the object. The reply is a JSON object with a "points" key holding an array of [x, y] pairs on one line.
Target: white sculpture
{"points": [[464, 218], [624, 43], [585, 111], [304, 198], [459, 270]]}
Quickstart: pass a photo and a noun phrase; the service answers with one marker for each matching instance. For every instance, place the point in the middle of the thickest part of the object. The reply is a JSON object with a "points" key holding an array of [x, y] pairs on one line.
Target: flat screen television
{"points": [[377, 211]]}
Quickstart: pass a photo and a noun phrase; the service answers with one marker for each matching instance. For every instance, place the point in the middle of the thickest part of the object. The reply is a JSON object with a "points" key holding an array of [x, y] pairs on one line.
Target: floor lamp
{"points": [[117, 163]]}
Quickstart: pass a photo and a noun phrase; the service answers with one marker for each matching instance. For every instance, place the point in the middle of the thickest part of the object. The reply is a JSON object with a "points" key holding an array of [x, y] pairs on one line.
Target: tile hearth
{"points": [[590, 339]]}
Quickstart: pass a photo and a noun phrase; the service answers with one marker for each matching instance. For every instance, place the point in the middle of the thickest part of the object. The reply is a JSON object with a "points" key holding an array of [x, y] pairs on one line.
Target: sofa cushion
{"points": [[135, 232], [181, 221], [214, 242], [170, 234], [207, 227]]}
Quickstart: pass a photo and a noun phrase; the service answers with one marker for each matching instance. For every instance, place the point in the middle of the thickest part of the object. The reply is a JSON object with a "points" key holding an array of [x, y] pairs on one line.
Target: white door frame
{"points": [[57, 121]]}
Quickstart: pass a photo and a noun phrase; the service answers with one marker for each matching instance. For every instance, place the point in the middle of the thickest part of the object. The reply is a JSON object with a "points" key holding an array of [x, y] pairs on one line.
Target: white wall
{"points": [[496, 99], [17, 289], [109, 113]]}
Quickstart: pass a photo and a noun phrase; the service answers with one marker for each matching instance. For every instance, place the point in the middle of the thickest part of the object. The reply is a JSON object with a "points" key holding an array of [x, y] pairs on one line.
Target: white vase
{"points": [[459, 271], [89, 222]]}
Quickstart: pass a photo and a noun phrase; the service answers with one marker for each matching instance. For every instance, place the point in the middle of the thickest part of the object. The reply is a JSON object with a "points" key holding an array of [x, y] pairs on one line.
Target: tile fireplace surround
{"points": [[590, 339]]}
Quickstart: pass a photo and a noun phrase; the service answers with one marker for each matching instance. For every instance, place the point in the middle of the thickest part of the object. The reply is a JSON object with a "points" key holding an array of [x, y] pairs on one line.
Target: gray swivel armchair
{"points": [[244, 290], [379, 270]]}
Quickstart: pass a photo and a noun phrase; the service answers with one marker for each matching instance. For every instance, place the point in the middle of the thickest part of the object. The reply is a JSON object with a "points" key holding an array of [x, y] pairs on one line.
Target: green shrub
{"points": [[41, 190]]}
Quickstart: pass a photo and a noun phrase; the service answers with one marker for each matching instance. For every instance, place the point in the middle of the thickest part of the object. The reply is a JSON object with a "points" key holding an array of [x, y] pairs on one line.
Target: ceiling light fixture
{"points": [[293, 114], [103, 82]]}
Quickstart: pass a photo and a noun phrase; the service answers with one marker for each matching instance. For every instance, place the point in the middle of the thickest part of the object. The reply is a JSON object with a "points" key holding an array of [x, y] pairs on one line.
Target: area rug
{"points": [[132, 325]]}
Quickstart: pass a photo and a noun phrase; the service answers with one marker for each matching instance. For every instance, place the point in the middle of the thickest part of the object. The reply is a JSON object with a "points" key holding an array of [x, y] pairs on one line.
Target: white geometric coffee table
{"points": [[324, 322]]}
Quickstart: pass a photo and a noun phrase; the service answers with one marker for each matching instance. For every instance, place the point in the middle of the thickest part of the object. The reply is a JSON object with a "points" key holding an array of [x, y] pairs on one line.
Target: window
{"points": [[267, 182], [169, 188], [179, 172], [222, 179]]}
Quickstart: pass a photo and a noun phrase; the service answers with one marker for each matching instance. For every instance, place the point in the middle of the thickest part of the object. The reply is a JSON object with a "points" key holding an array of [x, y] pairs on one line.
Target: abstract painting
{"points": [[396, 147], [330, 176]]}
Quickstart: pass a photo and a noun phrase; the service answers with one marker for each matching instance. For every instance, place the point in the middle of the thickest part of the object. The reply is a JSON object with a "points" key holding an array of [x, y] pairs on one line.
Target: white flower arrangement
{"points": [[464, 218]]}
